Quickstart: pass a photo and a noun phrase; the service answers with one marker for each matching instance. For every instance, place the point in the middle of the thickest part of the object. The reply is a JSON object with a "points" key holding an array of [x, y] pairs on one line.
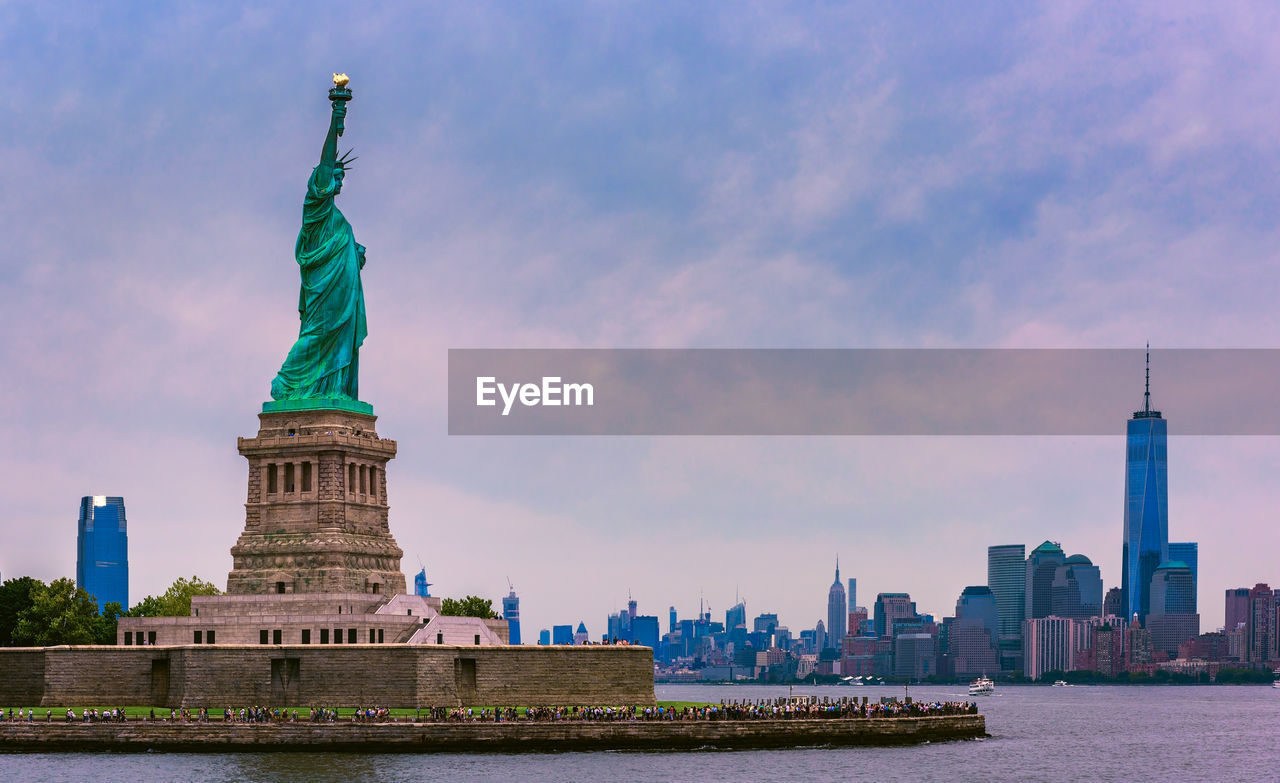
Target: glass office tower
{"points": [[102, 550], [1007, 578], [1146, 505], [511, 611]]}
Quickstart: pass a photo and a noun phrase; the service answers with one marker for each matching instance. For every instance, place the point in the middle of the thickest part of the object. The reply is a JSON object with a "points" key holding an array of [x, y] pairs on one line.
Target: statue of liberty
{"points": [[324, 363]]}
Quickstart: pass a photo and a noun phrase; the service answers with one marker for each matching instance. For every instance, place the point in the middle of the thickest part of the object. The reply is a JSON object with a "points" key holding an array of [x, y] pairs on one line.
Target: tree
{"points": [[471, 606], [15, 598], [60, 613], [104, 630], [176, 601]]}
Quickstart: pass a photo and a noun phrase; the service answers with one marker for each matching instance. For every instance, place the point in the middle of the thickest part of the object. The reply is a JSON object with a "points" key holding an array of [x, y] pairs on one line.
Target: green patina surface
{"points": [[318, 403], [323, 366]]}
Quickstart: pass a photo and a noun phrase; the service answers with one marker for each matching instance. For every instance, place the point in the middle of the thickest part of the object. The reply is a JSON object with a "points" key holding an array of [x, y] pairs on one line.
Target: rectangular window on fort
{"points": [[306, 477], [276, 636], [306, 636], [324, 635], [288, 478], [379, 636], [151, 638], [208, 637], [351, 636], [262, 637], [272, 486], [199, 637], [128, 638], [439, 638], [337, 636], [477, 639]]}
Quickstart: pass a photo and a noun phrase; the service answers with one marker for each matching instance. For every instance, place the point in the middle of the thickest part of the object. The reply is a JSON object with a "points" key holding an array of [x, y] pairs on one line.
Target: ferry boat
{"points": [[1059, 683], [982, 685]]}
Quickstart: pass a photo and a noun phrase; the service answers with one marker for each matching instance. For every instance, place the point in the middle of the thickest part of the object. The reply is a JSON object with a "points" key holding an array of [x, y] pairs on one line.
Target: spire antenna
{"points": [[1146, 397]]}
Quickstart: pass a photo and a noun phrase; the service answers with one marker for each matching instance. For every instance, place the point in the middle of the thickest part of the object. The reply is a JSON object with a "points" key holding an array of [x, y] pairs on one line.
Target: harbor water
{"points": [[1038, 733]]}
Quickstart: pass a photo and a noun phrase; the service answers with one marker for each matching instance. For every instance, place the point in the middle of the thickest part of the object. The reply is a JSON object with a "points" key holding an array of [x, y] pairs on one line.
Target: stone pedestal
{"points": [[316, 512]]}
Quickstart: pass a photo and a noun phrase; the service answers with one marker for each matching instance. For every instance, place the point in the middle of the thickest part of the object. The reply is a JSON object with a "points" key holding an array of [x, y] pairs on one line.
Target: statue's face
{"points": [[338, 174]]}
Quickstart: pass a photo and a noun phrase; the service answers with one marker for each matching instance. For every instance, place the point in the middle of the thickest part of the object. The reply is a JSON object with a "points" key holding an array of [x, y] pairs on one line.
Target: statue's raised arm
{"points": [[323, 365]]}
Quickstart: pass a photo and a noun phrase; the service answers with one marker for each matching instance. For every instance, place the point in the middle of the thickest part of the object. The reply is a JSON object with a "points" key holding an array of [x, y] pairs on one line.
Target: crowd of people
{"points": [[780, 709]]}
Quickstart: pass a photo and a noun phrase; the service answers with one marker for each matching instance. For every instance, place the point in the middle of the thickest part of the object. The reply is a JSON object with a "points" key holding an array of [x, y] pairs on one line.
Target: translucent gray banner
{"points": [[858, 392]]}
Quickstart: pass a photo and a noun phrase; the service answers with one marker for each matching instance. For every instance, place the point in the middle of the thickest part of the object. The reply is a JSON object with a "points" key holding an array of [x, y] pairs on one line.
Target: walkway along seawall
{"points": [[486, 737]]}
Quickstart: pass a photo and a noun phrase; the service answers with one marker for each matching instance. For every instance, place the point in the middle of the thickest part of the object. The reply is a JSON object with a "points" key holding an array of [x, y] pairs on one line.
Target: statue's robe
{"points": [[324, 362]]}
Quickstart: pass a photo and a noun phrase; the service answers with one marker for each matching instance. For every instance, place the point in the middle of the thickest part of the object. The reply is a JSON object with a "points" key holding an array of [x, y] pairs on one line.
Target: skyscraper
{"points": [[1146, 504], [1077, 589], [1007, 578], [974, 633], [837, 611], [1042, 567], [853, 600], [102, 550], [1173, 618], [1237, 608], [890, 608], [1050, 646], [420, 584], [1187, 552], [511, 611], [1261, 635]]}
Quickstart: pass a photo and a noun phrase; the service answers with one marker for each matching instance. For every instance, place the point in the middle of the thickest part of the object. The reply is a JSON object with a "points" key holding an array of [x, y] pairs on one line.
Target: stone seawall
{"points": [[385, 675], [217, 737]]}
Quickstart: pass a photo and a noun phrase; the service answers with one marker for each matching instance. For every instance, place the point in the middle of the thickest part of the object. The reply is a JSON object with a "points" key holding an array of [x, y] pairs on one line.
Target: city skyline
{"points": [[768, 177]]}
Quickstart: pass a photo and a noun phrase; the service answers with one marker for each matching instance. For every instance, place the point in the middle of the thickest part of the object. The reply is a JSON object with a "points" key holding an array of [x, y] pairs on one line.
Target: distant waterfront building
{"points": [[1049, 644], [1137, 647], [1187, 552], [820, 636], [1173, 618], [1007, 578], [511, 611], [735, 616], [1262, 624], [1146, 506], [853, 601], [544, 636], [858, 621], [562, 634], [765, 622], [672, 622], [1237, 608], [102, 550], [837, 611], [581, 636], [914, 655], [972, 637], [892, 608], [423, 588], [1077, 589], [1042, 567], [1108, 649], [644, 630], [1113, 603]]}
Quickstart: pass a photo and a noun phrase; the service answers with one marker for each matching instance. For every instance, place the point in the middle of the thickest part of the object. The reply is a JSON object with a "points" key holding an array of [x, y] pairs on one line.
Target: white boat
{"points": [[1275, 684], [1059, 683], [981, 686]]}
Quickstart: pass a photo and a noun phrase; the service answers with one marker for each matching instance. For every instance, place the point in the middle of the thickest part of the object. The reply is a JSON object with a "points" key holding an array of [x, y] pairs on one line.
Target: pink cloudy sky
{"points": [[630, 175]]}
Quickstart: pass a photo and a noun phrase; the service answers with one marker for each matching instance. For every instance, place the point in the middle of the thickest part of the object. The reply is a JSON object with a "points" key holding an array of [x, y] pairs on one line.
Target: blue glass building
{"points": [[1146, 505], [1187, 552], [511, 611], [102, 550], [420, 584]]}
